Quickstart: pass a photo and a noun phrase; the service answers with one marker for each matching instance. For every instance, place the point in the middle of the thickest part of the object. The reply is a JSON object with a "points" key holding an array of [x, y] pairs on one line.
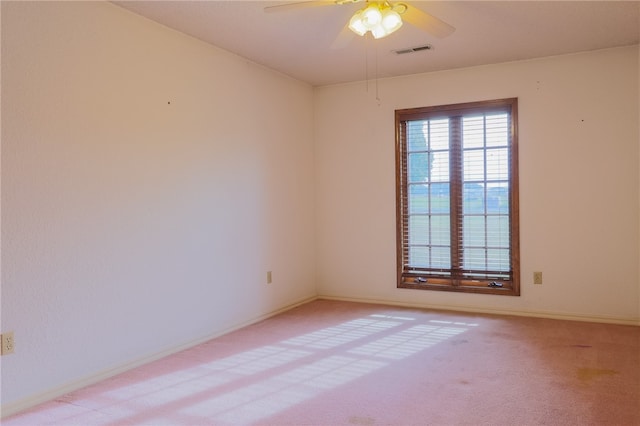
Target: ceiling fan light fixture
{"points": [[379, 18]]}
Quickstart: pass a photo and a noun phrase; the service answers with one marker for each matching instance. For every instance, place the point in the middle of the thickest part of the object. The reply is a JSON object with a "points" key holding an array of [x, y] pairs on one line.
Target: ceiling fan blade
{"points": [[298, 5], [427, 22], [344, 38]]}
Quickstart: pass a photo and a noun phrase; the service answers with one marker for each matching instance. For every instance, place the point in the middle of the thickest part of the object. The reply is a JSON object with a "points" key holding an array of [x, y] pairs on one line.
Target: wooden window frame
{"points": [[452, 279]]}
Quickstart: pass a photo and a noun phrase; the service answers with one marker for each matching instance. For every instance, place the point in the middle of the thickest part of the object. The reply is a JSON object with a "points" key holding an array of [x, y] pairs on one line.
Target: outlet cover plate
{"points": [[537, 277], [7, 343]]}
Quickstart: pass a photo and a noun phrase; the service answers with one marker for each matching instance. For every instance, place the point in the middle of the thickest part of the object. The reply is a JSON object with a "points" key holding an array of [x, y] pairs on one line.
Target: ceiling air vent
{"points": [[413, 49]]}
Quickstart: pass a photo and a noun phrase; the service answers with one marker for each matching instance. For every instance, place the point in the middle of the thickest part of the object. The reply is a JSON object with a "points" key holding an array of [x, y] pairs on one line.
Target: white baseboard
{"points": [[474, 309], [51, 394]]}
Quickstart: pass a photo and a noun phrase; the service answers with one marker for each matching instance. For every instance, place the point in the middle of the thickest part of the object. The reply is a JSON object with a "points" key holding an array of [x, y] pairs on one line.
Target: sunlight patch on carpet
{"points": [[344, 333], [408, 342], [288, 373], [275, 394]]}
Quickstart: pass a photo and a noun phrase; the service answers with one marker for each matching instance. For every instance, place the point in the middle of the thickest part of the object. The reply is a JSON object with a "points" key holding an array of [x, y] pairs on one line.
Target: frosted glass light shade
{"points": [[371, 16], [391, 20], [357, 25]]}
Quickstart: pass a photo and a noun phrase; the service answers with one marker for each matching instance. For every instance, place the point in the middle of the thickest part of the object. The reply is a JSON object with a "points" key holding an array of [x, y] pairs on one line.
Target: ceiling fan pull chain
{"points": [[366, 61], [377, 76]]}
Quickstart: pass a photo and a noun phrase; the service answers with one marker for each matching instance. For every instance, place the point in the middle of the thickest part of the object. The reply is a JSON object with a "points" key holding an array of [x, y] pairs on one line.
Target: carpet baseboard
{"points": [[31, 401], [533, 314]]}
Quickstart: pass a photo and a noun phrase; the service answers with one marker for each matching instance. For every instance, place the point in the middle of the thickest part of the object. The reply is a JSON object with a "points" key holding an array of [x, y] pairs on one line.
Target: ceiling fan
{"points": [[381, 18]]}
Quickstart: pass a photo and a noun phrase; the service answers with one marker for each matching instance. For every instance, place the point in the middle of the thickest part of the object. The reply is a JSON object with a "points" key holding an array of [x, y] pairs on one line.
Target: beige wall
{"points": [[578, 183], [149, 181]]}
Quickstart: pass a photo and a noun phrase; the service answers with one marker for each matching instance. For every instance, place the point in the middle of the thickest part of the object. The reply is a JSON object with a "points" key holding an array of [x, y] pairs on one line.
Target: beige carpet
{"points": [[340, 363]]}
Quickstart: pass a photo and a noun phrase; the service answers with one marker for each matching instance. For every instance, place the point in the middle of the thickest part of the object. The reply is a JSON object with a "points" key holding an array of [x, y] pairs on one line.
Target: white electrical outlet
{"points": [[7, 343], [269, 277]]}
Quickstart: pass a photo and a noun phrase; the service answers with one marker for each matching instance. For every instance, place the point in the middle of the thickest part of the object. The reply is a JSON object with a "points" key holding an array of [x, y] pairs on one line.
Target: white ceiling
{"points": [[297, 42]]}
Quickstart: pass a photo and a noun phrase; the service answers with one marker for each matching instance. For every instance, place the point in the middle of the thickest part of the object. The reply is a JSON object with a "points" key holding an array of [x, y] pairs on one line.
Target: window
{"points": [[457, 197]]}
